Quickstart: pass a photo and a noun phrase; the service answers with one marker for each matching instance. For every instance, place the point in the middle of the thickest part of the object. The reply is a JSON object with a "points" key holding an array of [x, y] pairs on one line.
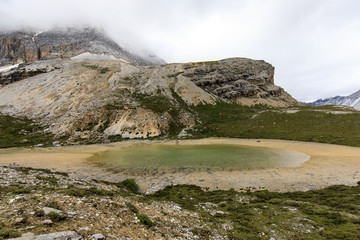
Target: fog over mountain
{"points": [[313, 44]]}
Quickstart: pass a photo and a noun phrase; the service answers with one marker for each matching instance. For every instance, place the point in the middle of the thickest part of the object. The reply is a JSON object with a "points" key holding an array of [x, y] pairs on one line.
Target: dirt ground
{"points": [[328, 165]]}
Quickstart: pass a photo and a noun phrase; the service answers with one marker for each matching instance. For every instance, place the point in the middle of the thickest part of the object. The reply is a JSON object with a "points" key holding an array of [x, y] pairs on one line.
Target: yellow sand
{"points": [[328, 165]]}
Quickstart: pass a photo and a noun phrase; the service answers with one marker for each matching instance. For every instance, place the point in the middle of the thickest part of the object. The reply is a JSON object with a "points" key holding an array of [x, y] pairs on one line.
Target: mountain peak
{"points": [[352, 100], [31, 45]]}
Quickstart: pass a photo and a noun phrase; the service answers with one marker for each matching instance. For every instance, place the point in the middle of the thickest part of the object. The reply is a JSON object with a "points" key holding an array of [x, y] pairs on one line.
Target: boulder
{"points": [[98, 236]]}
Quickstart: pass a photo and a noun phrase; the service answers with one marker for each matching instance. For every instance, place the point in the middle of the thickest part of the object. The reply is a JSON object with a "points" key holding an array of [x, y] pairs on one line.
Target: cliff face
{"points": [[30, 46], [232, 78]]}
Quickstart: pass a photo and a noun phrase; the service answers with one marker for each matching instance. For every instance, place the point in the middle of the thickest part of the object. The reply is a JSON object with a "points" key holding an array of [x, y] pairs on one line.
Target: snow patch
{"points": [[88, 55], [36, 34]]}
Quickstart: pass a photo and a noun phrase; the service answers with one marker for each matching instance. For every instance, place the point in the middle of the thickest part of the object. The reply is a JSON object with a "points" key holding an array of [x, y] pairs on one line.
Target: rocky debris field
{"points": [[35, 202], [42, 204]]}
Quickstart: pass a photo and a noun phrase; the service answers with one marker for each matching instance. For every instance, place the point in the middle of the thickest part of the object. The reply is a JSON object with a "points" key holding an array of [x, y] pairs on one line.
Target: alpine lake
{"points": [[157, 159]]}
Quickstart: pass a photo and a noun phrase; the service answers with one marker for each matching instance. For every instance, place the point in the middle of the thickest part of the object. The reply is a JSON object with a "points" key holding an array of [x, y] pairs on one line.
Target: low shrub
{"points": [[145, 220], [56, 217], [129, 184], [12, 233]]}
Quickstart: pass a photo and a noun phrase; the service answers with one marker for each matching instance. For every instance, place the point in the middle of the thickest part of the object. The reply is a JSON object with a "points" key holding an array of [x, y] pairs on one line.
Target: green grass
{"points": [[129, 184], [210, 63], [56, 217], [330, 213], [156, 103], [49, 179], [42, 170], [145, 220], [22, 132], [87, 192], [310, 124], [102, 70], [11, 233]]}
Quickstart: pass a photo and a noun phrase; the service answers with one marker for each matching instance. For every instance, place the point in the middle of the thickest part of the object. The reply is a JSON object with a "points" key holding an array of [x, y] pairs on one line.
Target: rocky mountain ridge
{"points": [[98, 95], [28, 46], [352, 100]]}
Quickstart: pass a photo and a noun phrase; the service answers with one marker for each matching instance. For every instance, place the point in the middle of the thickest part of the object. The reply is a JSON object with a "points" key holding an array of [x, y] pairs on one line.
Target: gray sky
{"points": [[313, 44]]}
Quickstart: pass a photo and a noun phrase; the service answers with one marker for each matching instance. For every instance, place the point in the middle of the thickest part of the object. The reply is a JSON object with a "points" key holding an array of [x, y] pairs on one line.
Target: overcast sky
{"points": [[313, 44]]}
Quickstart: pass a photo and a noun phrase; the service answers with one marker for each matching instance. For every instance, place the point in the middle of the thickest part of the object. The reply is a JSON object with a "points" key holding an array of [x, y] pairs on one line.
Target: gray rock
{"points": [[48, 210], [67, 235], [56, 144], [47, 222], [98, 236], [177, 208], [87, 229], [25, 236], [20, 220], [71, 214]]}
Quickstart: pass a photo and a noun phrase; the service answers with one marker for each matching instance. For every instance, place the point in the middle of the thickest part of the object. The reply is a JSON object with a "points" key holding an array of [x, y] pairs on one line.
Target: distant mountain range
{"points": [[352, 100]]}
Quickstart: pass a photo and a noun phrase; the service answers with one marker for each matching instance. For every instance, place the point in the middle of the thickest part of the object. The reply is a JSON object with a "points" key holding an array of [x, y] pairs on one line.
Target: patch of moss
{"points": [[51, 180], [102, 70], [145, 220], [56, 217], [11, 233], [86, 192], [156, 103]]}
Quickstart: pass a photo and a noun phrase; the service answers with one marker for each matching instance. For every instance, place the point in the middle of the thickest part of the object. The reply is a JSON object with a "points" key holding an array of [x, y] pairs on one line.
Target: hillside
{"points": [[105, 94], [93, 96]]}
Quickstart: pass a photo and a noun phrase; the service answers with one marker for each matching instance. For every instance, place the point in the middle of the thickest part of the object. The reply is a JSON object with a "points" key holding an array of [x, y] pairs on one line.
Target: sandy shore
{"points": [[328, 165]]}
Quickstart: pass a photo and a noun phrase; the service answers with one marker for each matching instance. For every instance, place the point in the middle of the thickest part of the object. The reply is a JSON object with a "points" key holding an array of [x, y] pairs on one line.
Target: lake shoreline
{"points": [[328, 165]]}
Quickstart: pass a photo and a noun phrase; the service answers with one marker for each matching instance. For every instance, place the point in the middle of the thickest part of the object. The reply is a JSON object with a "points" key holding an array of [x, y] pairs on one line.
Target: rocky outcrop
{"points": [[81, 83], [94, 209], [96, 98], [237, 78], [21, 71], [28, 46], [352, 100]]}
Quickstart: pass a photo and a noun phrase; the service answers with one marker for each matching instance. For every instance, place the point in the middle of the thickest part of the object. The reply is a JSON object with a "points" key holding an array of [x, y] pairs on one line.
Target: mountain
{"points": [[352, 100], [28, 46], [106, 91]]}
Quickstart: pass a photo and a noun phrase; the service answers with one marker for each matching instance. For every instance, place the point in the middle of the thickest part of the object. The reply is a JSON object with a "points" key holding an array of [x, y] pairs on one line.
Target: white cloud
{"points": [[313, 44]]}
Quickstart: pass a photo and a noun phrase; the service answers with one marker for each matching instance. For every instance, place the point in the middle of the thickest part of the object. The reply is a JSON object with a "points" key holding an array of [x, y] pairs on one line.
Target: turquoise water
{"points": [[161, 158]]}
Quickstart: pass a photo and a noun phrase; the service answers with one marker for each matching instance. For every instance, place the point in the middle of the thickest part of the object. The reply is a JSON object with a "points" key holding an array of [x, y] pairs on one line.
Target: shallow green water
{"points": [[158, 158]]}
